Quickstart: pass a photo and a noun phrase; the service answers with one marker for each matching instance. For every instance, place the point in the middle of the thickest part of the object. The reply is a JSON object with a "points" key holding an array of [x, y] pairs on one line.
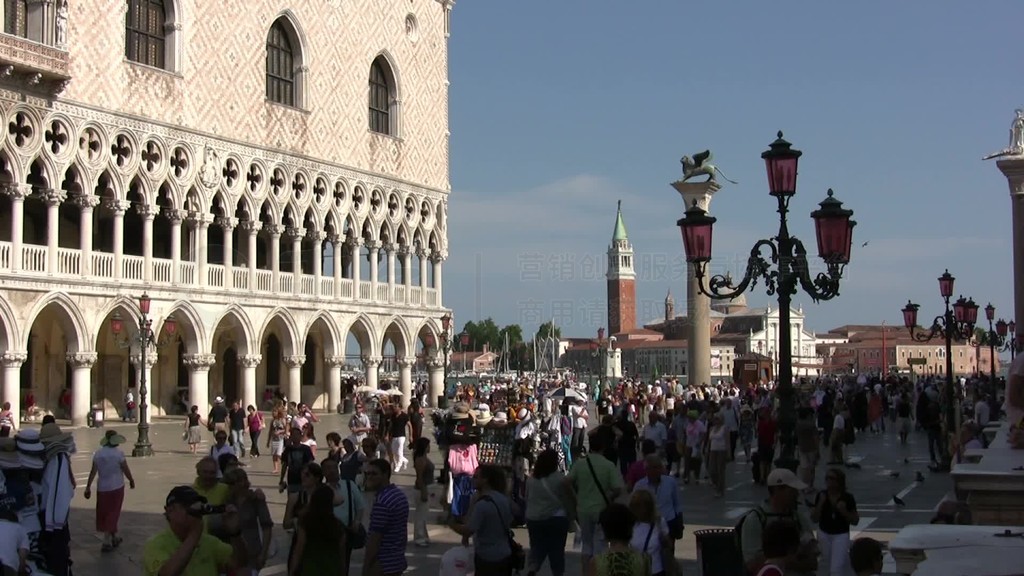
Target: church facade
{"points": [[272, 174]]}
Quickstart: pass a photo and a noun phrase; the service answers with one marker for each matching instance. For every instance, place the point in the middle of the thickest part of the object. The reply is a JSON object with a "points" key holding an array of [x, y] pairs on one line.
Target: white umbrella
{"points": [[364, 388], [566, 393], [395, 393]]}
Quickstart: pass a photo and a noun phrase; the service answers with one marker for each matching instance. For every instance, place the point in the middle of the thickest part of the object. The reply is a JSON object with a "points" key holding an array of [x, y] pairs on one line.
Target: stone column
{"points": [[53, 199], [252, 227], [335, 241], [296, 235], [316, 237], [1013, 169], [435, 375], [334, 399], [275, 230], [148, 213], [390, 249], [175, 216], [421, 255], [86, 202], [698, 306], [370, 365], [405, 379], [294, 364], [199, 380], [437, 260], [227, 225], [12, 362], [17, 193], [354, 246], [81, 385], [406, 255], [374, 248], [248, 364], [203, 221], [118, 207]]}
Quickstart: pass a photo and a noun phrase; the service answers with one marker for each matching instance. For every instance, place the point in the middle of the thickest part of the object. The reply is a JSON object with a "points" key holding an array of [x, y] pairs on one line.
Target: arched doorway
{"points": [[228, 362]]}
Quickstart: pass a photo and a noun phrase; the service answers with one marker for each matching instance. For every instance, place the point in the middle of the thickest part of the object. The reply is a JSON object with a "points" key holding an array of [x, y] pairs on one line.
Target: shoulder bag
{"points": [[597, 482], [356, 530], [517, 561]]}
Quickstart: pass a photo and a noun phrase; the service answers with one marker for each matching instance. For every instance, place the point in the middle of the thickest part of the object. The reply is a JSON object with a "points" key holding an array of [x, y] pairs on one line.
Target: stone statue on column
{"points": [[62, 24], [1016, 147], [698, 306]]}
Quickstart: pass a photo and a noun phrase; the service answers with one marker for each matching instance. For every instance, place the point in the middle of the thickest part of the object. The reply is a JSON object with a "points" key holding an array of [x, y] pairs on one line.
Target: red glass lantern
{"points": [[170, 325], [971, 312], [116, 324], [1012, 326], [946, 285], [464, 339], [144, 302], [960, 310], [834, 230], [696, 227], [990, 312], [781, 162], [1001, 328], [910, 314]]}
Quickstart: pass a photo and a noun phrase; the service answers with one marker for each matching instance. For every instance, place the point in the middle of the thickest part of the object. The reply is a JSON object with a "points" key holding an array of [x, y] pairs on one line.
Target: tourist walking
{"points": [[110, 465], [320, 543], [548, 508], [253, 519], [254, 422], [651, 533], [718, 453], [489, 522], [619, 559], [277, 436], [835, 510], [424, 490], [387, 535], [193, 432]]}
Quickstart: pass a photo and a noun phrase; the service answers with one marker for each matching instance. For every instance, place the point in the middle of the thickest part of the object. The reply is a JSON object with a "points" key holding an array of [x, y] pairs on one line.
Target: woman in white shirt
{"points": [[718, 453], [650, 533], [110, 465]]}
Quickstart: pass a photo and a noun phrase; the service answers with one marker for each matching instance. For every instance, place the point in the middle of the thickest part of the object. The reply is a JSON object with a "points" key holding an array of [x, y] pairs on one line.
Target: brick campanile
{"points": [[621, 280]]}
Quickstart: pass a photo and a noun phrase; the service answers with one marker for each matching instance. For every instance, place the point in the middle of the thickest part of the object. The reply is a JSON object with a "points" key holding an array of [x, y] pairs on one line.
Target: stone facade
{"points": [[273, 235]]}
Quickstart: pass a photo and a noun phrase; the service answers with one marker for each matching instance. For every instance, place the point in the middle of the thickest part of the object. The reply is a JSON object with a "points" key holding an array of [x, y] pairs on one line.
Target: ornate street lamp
{"points": [[144, 338], [446, 343], [1007, 332], [834, 234], [956, 323], [996, 339]]}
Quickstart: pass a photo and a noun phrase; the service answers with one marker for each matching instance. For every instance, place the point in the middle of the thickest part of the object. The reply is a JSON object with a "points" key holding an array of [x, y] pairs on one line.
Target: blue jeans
{"points": [[237, 442], [547, 540]]}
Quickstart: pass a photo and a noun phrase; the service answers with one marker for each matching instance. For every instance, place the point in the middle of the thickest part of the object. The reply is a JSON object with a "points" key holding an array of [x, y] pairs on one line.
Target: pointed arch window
{"points": [[284, 64], [382, 90], [145, 32]]}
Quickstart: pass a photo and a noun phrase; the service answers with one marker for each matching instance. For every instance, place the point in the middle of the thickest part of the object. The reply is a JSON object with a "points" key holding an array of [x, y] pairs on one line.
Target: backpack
{"points": [[738, 530]]}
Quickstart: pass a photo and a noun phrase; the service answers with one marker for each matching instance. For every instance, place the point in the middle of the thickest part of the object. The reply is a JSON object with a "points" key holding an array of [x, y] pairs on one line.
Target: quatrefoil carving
{"points": [[410, 209], [230, 172], [57, 137], [179, 162], [424, 212], [392, 205], [277, 182], [299, 186], [357, 199], [339, 194], [376, 201], [319, 190], [21, 128], [254, 178], [121, 150], [151, 156], [90, 144]]}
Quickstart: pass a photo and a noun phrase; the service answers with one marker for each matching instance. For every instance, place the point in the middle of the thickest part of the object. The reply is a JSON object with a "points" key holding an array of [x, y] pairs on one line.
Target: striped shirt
{"points": [[390, 518]]}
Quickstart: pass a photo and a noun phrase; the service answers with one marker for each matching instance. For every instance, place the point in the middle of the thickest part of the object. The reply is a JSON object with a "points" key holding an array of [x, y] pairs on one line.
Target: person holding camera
{"points": [[184, 547]]}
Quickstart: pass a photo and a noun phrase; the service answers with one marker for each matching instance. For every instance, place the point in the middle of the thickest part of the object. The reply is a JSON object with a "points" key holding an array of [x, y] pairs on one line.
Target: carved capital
{"points": [[274, 230], [354, 243], [421, 253], [18, 192], [82, 359], [199, 219], [334, 361], [118, 207], [200, 362], [53, 197], [294, 361], [333, 238], [251, 226], [146, 211], [436, 257], [175, 216], [405, 363], [373, 245], [390, 247], [13, 359], [136, 360], [316, 236], [226, 222], [295, 233], [250, 360], [371, 362], [403, 251], [434, 364], [85, 201]]}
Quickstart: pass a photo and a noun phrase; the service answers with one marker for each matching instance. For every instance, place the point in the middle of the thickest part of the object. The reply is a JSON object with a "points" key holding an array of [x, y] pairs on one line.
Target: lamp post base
{"points": [[142, 446]]}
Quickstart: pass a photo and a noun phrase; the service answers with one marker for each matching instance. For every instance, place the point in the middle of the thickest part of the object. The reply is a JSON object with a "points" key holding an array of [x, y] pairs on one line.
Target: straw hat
{"points": [[500, 418], [51, 433], [9, 458], [30, 450], [483, 415]]}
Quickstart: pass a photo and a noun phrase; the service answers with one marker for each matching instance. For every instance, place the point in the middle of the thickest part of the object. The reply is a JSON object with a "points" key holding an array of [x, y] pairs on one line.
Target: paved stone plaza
{"points": [[872, 485]]}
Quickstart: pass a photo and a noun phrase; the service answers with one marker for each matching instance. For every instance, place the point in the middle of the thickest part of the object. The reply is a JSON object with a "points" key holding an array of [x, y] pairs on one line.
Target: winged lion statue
{"points": [[701, 164]]}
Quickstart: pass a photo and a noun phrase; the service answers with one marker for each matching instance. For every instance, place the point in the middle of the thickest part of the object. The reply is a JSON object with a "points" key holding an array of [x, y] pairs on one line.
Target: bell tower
{"points": [[670, 307], [621, 280]]}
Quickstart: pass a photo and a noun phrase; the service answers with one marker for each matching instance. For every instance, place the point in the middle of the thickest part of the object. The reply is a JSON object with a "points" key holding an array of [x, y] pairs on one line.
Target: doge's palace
{"points": [[272, 173]]}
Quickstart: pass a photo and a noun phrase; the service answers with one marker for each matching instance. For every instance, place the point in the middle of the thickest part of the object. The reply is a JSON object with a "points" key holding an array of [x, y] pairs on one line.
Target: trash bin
{"points": [[96, 417], [717, 554], [347, 406], [442, 402]]}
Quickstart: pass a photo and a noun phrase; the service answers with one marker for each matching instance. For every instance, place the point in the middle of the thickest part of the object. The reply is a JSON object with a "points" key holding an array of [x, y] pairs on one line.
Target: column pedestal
{"points": [[294, 364], [199, 380], [12, 363], [81, 385], [698, 306]]}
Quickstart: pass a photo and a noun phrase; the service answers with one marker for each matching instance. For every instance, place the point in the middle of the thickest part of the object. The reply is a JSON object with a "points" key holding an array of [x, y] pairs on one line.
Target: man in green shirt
{"points": [[184, 548], [596, 483]]}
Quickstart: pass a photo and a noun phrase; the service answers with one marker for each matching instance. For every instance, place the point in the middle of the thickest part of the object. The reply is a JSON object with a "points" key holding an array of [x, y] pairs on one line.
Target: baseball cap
{"points": [[784, 477], [184, 495]]}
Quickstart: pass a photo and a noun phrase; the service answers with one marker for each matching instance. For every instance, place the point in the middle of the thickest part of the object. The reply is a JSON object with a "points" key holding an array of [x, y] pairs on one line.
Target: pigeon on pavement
{"points": [[898, 501], [919, 477], [894, 475]]}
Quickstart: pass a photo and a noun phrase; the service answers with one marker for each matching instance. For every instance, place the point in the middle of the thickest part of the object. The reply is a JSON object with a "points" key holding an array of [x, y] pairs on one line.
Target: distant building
{"points": [[883, 349]]}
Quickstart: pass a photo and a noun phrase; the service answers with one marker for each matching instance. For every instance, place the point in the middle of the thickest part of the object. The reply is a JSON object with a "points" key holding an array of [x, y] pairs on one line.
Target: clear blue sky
{"points": [[561, 107]]}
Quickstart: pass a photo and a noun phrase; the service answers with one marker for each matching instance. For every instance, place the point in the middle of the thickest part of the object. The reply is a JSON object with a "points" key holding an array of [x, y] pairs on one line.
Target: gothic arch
{"points": [[190, 326], [10, 171], [362, 328], [235, 313], [397, 330], [71, 317], [290, 343], [9, 331], [336, 345], [429, 326], [300, 51]]}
